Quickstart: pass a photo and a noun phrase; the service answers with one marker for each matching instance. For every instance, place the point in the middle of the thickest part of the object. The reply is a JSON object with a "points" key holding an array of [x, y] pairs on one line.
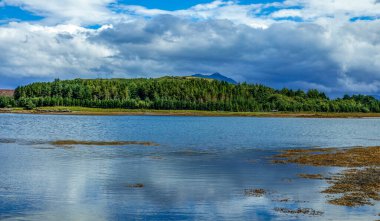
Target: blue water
{"points": [[199, 171]]}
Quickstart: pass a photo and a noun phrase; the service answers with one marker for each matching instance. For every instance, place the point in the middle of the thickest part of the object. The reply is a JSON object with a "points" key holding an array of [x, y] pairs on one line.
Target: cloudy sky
{"points": [[331, 45]]}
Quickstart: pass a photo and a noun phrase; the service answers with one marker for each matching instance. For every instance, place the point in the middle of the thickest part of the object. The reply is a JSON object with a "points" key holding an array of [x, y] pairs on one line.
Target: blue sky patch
{"points": [[295, 19], [16, 13], [364, 18], [93, 27], [183, 4], [13, 13], [269, 10]]}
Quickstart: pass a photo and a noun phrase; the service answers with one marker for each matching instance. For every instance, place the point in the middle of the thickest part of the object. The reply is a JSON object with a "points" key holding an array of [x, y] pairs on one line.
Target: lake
{"points": [[199, 170]]}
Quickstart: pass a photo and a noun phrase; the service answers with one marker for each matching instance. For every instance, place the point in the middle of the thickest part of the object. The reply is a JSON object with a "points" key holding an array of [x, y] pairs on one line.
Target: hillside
{"points": [[182, 93]]}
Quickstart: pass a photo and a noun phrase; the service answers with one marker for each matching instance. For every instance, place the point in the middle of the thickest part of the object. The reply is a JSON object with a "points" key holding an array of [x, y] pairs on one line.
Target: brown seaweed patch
{"points": [[294, 152], [156, 157], [353, 157], [305, 211], [136, 185], [351, 200], [44, 148], [279, 161], [312, 176], [191, 153], [7, 140], [101, 143], [357, 187], [287, 199], [354, 187], [282, 200], [255, 192]]}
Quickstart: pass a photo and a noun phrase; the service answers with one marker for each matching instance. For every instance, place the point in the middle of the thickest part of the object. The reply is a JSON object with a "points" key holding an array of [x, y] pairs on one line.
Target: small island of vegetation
{"points": [[189, 94]]}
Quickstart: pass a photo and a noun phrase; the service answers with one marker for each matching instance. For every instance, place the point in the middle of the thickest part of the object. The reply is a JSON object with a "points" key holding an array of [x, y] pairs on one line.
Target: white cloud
{"points": [[67, 11], [228, 10], [285, 13], [40, 51], [339, 10], [248, 42]]}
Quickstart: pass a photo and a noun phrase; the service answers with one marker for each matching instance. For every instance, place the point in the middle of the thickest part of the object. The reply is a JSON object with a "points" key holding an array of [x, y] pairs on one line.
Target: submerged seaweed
{"points": [[354, 187], [136, 185], [312, 176], [352, 157], [305, 211], [7, 140], [101, 143], [357, 187], [255, 192]]}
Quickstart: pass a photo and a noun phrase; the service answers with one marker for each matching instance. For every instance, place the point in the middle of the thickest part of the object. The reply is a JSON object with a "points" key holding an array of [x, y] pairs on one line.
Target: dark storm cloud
{"points": [[282, 53]]}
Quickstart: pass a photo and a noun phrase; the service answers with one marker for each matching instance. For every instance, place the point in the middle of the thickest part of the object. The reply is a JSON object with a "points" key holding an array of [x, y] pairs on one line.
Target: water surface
{"points": [[198, 172]]}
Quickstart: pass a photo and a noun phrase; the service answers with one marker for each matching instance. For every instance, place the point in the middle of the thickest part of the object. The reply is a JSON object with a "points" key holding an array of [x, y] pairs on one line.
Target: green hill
{"points": [[182, 93]]}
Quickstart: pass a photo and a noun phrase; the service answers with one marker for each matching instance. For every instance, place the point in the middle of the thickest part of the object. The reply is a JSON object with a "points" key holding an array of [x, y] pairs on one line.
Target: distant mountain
{"points": [[6, 93], [216, 76]]}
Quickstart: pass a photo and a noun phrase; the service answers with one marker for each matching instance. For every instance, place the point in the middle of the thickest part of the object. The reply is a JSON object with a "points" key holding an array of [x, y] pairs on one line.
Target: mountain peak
{"points": [[216, 76]]}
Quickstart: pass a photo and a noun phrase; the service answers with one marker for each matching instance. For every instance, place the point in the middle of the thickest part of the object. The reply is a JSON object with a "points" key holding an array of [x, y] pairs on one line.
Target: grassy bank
{"points": [[101, 111]]}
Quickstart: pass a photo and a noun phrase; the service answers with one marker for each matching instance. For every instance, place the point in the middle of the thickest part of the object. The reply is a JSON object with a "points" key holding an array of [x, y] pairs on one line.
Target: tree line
{"points": [[181, 93]]}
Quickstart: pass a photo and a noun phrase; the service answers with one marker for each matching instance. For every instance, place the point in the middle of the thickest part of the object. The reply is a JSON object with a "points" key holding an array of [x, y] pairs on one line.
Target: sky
{"points": [[330, 45]]}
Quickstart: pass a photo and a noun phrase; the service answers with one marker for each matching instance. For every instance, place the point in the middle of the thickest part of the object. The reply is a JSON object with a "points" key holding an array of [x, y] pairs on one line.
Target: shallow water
{"points": [[199, 171]]}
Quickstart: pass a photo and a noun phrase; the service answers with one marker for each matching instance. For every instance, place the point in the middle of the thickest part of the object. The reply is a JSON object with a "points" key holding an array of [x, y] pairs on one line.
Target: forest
{"points": [[181, 93]]}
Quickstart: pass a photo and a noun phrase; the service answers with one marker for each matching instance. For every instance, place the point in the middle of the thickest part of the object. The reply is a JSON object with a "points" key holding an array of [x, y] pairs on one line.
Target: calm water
{"points": [[198, 172]]}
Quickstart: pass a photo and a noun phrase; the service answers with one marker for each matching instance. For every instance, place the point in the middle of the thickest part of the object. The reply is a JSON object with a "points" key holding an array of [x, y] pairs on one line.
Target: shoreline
{"points": [[191, 113]]}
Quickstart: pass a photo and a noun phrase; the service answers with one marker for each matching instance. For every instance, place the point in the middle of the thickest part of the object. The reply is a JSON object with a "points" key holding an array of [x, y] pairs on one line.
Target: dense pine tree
{"points": [[181, 93]]}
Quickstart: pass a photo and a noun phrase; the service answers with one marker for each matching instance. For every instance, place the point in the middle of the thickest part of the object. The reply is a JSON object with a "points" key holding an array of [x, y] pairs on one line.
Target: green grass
{"points": [[104, 111], [146, 111], [119, 111]]}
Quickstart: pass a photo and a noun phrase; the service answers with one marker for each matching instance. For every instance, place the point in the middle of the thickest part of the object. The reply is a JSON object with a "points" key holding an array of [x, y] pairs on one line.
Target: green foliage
{"points": [[181, 93], [7, 102], [29, 105]]}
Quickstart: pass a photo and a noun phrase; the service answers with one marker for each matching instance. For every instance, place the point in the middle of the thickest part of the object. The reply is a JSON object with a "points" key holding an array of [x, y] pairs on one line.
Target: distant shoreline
{"points": [[135, 112]]}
